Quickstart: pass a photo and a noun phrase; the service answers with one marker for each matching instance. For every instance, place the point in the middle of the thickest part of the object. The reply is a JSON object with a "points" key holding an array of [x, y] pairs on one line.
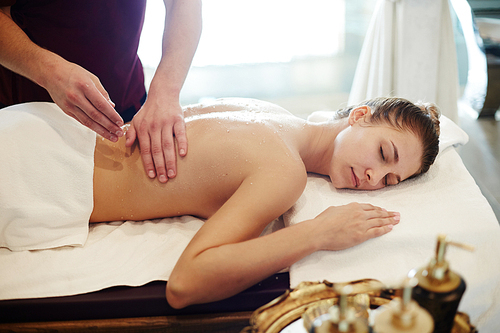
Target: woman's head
{"points": [[422, 119]]}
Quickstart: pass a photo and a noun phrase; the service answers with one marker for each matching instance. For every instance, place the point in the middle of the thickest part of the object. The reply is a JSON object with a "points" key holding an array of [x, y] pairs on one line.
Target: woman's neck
{"points": [[317, 144]]}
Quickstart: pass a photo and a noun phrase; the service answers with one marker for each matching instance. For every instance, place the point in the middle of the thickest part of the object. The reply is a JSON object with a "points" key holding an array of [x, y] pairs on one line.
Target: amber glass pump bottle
{"points": [[439, 289]]}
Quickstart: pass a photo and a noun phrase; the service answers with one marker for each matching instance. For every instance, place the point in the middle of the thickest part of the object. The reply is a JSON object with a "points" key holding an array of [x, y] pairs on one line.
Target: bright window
{"points": [[254, 31], [299, 54]]}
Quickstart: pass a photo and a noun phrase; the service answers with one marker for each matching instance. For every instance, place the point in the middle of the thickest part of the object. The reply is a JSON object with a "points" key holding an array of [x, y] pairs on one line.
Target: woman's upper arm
{"points": [[223, 256], [256, 203]]}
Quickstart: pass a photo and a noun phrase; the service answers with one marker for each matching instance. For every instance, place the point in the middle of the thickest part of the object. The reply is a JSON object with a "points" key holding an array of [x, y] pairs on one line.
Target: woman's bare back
{"points": [[225, 148]]}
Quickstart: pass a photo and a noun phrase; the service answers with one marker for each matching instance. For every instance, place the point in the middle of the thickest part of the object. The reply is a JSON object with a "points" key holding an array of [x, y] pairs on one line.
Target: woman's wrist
{"points": [[313, 235]]}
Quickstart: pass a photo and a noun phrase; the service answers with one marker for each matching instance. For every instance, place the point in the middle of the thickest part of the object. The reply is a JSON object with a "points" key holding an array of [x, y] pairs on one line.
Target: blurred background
{"points": [[303, 58]]}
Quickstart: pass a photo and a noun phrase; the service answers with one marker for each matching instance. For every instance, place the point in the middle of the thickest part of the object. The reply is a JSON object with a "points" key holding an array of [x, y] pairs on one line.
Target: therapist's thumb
{"points": [[130, 136]]}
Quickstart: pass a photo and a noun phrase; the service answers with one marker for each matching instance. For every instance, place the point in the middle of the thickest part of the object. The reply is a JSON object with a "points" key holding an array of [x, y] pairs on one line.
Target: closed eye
{"points": [[382, 153]]}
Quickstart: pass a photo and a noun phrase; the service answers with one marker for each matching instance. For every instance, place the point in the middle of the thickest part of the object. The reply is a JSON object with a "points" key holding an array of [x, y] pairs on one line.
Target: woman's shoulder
{"points": [[285, 172]]}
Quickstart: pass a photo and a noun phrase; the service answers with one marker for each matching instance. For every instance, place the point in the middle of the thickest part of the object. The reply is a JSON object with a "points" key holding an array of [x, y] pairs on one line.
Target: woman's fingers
{"points": [[352, 224], [380, 215]]}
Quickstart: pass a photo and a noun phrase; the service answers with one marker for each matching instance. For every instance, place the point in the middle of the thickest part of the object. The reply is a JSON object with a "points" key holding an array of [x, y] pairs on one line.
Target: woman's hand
{"points": [[345, 226]]}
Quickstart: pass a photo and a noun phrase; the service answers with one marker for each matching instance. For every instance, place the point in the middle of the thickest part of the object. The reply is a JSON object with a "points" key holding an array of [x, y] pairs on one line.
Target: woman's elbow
{"points": [[178, 293], [175, 297]]}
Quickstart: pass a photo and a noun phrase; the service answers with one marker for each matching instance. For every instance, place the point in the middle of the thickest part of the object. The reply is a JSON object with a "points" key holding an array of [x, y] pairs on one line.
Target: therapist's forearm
{"points": [[180, 40], [19, 54], [76, 91]]}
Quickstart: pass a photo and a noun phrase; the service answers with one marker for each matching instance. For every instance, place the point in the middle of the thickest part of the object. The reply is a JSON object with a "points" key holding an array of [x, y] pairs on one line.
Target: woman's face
{"points": [[369, 157]]}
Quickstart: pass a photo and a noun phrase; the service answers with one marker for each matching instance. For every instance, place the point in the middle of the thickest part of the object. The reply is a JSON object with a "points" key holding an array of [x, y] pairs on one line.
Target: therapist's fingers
{"points": [[158, 149], [181, 137], [82, 117], [174, 131], [157, 127], [130, 136], [146, 152], [169, 154], [106, 115], [152, 152], [80, 94]]}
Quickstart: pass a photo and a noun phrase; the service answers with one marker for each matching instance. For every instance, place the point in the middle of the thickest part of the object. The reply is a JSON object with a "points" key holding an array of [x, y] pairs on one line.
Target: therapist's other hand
{"points": [[81, 95], [157, 126]]}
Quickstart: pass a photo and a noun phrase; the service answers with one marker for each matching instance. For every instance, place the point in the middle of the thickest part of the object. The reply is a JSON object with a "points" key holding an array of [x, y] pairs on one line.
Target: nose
{"points": [[374, 177]]}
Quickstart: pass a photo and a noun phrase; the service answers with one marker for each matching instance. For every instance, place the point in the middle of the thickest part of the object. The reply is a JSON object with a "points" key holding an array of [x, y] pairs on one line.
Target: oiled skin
{"points": [[225, 148]]}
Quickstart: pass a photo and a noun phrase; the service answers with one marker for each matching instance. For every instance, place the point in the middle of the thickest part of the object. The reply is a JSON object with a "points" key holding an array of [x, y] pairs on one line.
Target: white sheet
{"points": [[46, 170], [444, 200]]}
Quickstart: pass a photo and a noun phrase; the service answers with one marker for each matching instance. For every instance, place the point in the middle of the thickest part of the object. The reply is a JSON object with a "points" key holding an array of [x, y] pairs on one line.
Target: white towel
{"points": [[46, 170], [115, 254], [444, 200]]}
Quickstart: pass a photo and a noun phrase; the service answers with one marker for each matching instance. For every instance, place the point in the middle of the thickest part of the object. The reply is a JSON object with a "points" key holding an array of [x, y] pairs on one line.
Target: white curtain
{"points": [[409, 51]]}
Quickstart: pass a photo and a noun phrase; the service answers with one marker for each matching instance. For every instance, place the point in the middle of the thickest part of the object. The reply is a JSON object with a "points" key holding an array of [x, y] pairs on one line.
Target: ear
{"points": [[360, 113]]}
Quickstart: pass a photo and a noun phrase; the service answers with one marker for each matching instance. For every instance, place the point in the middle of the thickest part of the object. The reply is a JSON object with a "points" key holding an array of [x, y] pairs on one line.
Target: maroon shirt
{"points": [[102, 36]]}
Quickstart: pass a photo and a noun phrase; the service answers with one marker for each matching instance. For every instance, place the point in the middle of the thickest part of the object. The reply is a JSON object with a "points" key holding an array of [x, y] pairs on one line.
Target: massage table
{"points": [[116, 279]]}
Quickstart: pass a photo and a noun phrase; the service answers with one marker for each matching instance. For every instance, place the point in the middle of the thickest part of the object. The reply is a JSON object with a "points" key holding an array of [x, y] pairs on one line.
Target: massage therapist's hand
{"points": [[157, 125], [345, 226], [75, 90], [80, 95]]}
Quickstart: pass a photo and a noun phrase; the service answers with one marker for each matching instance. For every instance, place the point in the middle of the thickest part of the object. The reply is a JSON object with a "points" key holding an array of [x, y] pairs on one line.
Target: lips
{"points": [[355, 179]]}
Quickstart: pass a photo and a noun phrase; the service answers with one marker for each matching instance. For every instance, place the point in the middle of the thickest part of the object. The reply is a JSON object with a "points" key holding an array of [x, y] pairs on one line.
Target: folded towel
{"points": [[46, 170]]}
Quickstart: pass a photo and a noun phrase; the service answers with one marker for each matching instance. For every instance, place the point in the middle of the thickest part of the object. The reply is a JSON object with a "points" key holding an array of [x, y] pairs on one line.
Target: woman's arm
{"points": [[226, 256]]}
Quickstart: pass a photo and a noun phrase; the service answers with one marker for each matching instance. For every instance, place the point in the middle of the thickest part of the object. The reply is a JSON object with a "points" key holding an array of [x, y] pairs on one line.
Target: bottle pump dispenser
{"points": [[439, 289]]}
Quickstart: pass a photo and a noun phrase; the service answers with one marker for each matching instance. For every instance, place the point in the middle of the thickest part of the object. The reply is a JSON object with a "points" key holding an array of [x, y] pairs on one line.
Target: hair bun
{"points": [[433, 112]]}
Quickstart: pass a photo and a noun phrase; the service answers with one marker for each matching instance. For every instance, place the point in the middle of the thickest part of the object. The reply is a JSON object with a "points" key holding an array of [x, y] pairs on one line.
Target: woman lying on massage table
{"points": [[247, 165]]}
